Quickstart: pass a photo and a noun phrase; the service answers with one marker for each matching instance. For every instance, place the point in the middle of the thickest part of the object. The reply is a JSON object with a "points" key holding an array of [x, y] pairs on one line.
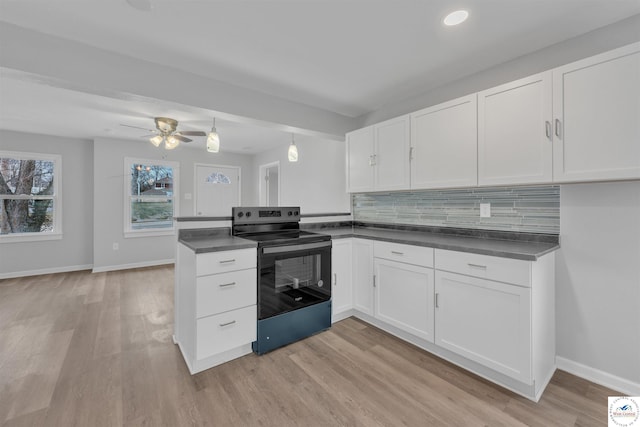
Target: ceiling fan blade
{"points": [[181, 138], [151, 135], [137, 127], [191, 133]]}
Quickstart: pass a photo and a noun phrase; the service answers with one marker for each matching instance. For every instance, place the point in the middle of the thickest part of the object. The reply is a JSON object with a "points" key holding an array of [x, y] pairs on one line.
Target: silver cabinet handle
{"points": [[410, 153], [437, 300], [558, 129], [335, 279], [397, 253], [224, 285], [374, 281], [227, 324], [227, 261], [547, 129], [484, 267]]}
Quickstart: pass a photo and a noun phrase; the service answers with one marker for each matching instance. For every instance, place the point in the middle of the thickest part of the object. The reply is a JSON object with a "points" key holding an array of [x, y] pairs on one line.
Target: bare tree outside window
{"points": [[27, 195]]}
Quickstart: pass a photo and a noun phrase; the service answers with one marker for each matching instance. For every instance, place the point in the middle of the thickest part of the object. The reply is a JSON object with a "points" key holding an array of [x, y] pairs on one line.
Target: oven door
{"points": [[293, 276]]}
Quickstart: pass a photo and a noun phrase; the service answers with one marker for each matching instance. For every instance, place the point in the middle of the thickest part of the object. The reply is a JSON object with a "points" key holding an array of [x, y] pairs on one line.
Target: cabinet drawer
{"points": [[221, 262], [225, 331], [499, 269], [218, 293], [417, 255]]}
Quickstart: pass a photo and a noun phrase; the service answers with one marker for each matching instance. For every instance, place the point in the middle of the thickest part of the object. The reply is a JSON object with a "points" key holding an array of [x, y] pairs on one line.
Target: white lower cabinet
{"points": [[341, 288], [485, 321], [404, 297], [215, 305], [362, 275]]}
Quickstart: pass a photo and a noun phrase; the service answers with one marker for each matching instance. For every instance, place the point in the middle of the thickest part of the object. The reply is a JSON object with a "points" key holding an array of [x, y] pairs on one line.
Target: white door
{"points": [[596, 104], [391, 156], [363, 276], [217, 189], [341, 293], [444, 145], [404, 297], [514, 132], [360, 160], [485, 321]]}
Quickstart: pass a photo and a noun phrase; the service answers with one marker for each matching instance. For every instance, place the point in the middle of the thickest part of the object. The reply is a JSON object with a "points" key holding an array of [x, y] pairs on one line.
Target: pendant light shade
{"points": [[293, 151], [213, 139]]}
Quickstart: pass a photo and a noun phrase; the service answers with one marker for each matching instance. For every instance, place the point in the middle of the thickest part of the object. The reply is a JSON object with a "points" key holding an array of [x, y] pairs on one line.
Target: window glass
{"points": [[218, 178], [28, 194]]}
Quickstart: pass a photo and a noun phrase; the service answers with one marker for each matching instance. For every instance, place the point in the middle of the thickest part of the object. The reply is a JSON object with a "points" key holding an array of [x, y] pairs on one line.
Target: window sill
{"points": [[149, 233], [29, 237]]}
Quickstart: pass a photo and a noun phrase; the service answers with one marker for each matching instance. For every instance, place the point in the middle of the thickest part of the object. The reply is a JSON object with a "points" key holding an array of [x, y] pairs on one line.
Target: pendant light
{"points": [[293, 151], [213, 139]]}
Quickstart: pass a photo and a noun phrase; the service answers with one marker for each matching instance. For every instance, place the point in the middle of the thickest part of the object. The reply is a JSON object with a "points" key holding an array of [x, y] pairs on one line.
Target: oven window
{"points": [[291, 281]]}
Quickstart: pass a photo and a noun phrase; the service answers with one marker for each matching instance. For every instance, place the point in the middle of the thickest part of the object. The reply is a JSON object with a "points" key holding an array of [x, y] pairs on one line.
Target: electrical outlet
{"points": [[116, 246], [485, 210]]}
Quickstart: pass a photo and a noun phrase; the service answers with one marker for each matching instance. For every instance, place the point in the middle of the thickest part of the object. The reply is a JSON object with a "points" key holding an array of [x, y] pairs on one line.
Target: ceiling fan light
{"points": [[292, 154], [213, 141], [171, 143], [156, 140]]}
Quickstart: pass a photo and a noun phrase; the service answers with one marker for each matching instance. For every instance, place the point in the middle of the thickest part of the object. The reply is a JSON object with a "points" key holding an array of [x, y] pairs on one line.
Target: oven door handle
{"points": [[295, 248]]}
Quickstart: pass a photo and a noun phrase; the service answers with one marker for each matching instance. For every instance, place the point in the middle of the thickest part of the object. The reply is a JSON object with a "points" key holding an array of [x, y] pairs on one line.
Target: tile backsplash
{"points": [[525, 209]]}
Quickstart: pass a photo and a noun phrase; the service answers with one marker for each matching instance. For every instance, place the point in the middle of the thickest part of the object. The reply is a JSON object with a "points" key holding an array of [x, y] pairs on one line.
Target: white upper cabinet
{"points": [[515, 143], [443, 145], [596, 105], [378, 157], [391, 158], [360, 147]]}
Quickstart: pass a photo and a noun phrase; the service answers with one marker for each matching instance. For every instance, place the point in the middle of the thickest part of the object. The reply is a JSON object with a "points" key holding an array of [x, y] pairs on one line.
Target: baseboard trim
{"points": [[133, 265], [599, 377], [54, 270]]}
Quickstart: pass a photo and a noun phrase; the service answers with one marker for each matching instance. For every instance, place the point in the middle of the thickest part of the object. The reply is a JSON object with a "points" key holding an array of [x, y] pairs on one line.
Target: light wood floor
{"points": [[82, 349]]}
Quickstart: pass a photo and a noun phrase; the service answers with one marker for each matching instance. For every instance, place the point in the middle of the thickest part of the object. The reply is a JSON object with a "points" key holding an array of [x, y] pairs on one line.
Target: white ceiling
{"points": [[350, 57]]}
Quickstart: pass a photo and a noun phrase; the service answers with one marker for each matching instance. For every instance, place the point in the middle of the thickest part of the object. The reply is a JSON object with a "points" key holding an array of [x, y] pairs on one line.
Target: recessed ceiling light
{"points": [[455, 18]]}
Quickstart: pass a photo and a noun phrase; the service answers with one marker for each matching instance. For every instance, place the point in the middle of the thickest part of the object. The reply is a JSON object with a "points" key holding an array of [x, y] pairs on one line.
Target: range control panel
{"points": [[265, 214]]}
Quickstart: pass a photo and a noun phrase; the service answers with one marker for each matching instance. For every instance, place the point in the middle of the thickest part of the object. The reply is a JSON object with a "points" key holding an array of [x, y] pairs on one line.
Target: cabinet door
{"points": [[404, 297], [485, 321], [392, 154], [341, 289], [363, 275], [514, 132], [444, 145], [596, 104], [360, 160]]}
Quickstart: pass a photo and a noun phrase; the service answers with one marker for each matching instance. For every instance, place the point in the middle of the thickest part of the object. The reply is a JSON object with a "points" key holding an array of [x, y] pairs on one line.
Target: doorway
{"points": [[217, 189], [270, 184]]}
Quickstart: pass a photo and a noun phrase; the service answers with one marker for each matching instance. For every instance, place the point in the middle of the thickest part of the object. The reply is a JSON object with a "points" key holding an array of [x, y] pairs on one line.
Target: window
{"points": [[30, 196], [150, 197]]}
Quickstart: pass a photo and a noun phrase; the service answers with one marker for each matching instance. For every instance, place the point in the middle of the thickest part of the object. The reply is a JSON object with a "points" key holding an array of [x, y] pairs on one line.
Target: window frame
{"points": [[128, 197], [56, 197]]}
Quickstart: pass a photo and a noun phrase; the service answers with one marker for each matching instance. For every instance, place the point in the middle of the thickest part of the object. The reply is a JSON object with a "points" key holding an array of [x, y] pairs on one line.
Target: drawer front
{"points": [[507, 270], [221, 262], [218, 293], [416, 255], [226, 331]]}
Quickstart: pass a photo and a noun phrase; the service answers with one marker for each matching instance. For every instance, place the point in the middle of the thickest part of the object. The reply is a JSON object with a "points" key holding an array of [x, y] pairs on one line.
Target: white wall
{"points": [[598, 281], [316, 182], [108, 204], [74, 250]]}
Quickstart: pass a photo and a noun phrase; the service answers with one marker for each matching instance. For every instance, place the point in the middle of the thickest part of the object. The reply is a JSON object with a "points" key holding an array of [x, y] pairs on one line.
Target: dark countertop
{"points": [[525, 250], [213, 240]]}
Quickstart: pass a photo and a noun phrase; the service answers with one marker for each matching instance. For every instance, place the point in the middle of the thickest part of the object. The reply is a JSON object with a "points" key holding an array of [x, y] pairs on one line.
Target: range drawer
{"points": [[417, 255], [507, 270], [221, 262], [218, 293], [225, 331]]}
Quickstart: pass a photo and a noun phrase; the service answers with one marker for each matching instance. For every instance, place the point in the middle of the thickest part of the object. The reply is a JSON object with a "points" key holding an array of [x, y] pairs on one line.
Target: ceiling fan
{"points": [[166, 131]]}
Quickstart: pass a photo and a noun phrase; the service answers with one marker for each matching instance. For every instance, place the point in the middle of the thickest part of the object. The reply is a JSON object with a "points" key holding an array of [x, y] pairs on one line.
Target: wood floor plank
{"points": [[83, 349]]}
